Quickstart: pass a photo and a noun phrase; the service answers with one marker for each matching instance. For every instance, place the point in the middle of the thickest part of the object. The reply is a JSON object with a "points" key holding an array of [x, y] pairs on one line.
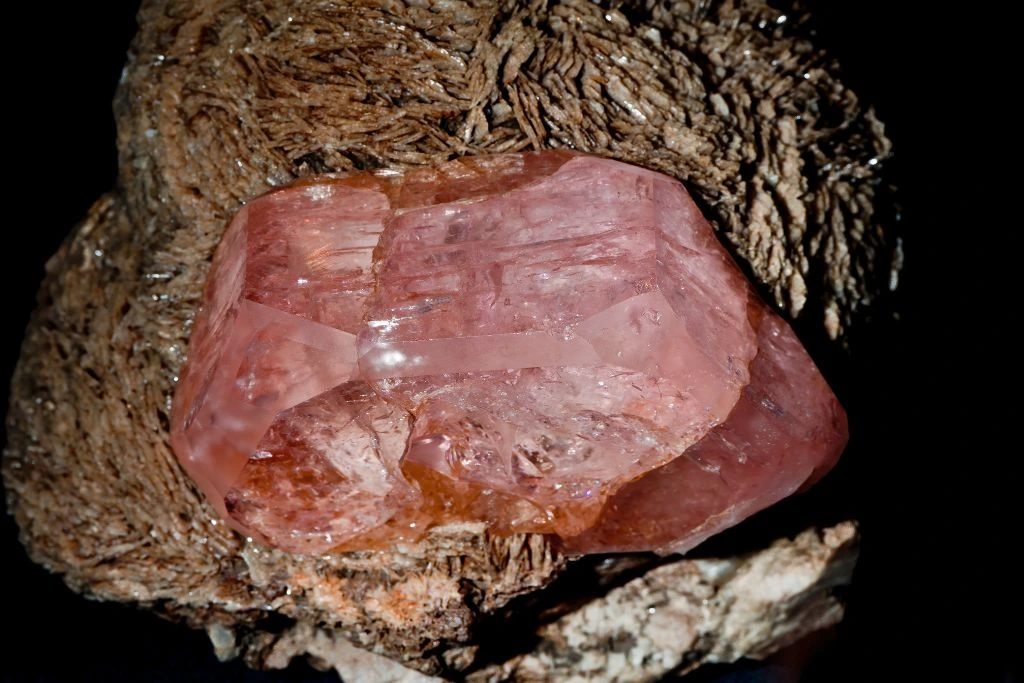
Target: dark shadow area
{"points": [[917, 609]]}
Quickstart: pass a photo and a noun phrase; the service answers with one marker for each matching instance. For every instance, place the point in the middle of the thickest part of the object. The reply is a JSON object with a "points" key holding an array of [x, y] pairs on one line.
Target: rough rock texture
{"points": [[668, 621], [222, 99]]}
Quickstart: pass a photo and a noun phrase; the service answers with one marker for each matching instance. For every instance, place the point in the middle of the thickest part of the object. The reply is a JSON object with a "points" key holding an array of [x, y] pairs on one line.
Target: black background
{"points": [[932, 598]]}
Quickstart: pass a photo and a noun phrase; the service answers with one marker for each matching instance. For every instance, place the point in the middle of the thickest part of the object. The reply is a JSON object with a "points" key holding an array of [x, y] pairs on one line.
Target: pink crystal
{"points": [[545, 342]]}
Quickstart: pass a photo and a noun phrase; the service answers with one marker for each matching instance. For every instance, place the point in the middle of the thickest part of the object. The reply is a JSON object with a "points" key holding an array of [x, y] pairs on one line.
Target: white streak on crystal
{"points": [[320, 192]]}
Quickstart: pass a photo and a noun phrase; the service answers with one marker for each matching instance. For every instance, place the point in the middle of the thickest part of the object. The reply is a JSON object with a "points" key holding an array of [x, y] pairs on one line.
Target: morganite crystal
{"points": [[545, 342]]}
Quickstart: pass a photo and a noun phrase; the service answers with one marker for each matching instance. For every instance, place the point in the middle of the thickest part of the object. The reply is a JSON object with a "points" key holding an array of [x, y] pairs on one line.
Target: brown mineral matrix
{"points": [[223, 100]]}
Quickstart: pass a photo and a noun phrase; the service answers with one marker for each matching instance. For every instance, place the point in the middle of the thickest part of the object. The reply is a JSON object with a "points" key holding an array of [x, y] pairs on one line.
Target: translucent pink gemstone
{"points": [[546, 342]]}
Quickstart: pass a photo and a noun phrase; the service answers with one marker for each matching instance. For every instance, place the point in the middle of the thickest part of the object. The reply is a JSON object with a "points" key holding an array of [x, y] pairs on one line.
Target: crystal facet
{"points": [[546, 342]]}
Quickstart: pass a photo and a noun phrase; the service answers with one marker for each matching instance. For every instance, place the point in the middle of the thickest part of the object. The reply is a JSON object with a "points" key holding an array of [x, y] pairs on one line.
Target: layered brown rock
{"points": [[222, 100]]}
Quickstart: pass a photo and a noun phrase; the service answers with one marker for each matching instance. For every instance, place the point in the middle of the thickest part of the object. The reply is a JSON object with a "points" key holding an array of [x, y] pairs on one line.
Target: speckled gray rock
{"points": [[667, 622], [223, 99], [690, 612]]}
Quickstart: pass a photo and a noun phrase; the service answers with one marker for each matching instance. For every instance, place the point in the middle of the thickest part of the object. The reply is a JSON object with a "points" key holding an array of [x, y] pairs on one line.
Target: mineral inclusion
{"points": [[544, 342]]}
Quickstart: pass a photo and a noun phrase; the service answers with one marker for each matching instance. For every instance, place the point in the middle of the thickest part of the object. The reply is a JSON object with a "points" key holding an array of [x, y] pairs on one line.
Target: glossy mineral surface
{"points": [[545, 342]]}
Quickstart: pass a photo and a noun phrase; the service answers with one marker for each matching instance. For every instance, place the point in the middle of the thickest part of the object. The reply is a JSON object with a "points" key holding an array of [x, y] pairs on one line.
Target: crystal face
{"points": [[546, 342]]}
